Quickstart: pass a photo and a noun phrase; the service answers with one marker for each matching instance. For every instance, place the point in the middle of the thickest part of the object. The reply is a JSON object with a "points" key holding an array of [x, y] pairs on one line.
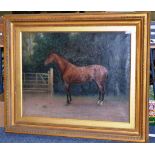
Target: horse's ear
{"points": [[52, 51], [48, 54]]}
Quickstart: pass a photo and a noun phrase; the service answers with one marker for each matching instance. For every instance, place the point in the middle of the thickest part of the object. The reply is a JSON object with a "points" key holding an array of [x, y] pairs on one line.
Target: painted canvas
{"points": [[78, 75]]}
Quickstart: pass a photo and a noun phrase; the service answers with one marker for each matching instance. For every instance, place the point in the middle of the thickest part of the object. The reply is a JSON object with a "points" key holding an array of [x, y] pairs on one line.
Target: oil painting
{"points": [[77, 75], [80, 75]]}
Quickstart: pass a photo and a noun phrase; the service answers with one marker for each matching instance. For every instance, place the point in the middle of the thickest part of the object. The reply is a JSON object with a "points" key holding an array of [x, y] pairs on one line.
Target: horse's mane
{"points": [[64, 59]]}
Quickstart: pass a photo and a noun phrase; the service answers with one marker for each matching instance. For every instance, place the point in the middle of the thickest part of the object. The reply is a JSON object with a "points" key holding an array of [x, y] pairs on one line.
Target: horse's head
{"points": [[50, 58]]}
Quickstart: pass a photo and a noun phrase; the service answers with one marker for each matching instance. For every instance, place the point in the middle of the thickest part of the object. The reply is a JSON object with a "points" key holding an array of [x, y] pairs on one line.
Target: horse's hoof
{"points": [[98, 102], [101, 103], [68, 103]]}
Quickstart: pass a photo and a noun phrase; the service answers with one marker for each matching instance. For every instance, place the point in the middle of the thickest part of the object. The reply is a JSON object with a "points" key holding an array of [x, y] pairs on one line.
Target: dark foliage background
{"points": [[110, 49]]}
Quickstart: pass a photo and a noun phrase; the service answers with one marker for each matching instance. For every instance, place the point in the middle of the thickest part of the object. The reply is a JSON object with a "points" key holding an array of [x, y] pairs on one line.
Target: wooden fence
{"points": [[38, 82]]}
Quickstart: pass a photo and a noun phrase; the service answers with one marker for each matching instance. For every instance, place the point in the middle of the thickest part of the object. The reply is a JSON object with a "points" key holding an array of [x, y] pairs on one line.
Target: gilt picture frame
{"points": [[99, 52]]}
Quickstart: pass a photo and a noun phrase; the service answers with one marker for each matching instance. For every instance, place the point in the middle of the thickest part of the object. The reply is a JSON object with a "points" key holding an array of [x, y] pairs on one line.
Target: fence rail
{"points": [[38, 82]]}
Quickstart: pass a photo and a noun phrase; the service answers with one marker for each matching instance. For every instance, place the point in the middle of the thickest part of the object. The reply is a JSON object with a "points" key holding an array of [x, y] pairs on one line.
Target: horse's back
{"points": [[76, 74], [96, 71], [99, 68]]}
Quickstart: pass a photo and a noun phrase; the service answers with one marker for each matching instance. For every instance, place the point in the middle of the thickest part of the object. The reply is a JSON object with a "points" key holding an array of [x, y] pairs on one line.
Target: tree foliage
{"points": [[110, 49]]}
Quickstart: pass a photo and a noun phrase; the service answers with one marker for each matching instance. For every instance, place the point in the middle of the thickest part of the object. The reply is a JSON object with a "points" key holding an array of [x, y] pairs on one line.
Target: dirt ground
{"points": [[82, 107]]}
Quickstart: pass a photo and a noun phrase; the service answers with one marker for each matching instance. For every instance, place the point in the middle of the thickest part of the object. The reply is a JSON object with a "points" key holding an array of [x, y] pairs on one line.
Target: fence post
{"points": [[50, 81]]}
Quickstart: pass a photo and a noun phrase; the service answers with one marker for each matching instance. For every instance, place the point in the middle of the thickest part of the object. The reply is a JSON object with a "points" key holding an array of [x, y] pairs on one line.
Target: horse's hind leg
{"points": [[99, 93], [102, 96]]}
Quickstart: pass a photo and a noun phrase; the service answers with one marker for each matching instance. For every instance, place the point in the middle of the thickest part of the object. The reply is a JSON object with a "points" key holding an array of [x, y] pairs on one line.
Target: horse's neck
{"points": [[62, 63]]}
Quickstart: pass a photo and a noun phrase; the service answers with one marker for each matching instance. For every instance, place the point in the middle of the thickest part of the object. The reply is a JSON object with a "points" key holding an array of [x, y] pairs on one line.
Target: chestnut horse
{"points": [[75, 74]]}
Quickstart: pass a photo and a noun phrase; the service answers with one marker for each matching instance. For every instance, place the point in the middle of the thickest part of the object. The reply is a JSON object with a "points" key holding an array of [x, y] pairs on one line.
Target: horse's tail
{"points": [[107, 75]]}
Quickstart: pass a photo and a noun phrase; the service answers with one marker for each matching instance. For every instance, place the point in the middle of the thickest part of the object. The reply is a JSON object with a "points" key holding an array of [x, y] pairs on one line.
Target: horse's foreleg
{"points": [[67, 93], [68, 100], [70, 97]]}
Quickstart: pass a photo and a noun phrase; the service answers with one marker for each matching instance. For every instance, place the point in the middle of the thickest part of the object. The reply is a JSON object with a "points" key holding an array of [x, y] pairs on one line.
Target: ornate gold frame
{"points": [[137, 128]]}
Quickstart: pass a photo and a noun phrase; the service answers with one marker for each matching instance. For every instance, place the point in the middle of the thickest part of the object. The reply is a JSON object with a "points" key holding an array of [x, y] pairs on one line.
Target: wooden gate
{"points": [[38, 82]]}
